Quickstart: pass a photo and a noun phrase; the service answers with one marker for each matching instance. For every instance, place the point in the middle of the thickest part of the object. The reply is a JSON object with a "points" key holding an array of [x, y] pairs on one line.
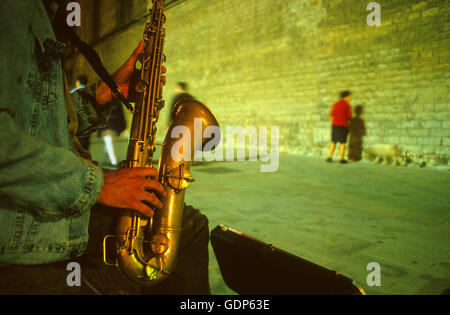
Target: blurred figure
{"points": [[115, 125], [357, 132], [182, 92], [81, 83], [340, 113]]}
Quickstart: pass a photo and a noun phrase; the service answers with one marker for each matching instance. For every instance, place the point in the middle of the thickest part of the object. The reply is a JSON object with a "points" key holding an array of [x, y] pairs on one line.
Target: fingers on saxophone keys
{"points": [[150, 199], [148, 180], [153, 186], [145, 202], [144, 172], [144, 208]]}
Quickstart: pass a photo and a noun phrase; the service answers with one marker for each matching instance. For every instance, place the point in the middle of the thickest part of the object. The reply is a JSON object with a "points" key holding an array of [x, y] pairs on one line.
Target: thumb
{"points": [[137, 51], [123, 74], [134, 56]]}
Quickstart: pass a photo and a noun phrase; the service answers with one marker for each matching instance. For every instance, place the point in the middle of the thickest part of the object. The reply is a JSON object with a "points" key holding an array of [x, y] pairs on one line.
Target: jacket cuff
{"points": [[89, 117], [91, 191]]}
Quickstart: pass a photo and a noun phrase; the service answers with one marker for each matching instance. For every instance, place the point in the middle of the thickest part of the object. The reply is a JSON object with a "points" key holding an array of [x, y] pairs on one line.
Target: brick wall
{"points": [[283, 63]]}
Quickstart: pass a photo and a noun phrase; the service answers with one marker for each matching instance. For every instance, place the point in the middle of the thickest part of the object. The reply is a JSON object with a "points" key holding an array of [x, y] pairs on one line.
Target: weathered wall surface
{"points": [[283, 63]]}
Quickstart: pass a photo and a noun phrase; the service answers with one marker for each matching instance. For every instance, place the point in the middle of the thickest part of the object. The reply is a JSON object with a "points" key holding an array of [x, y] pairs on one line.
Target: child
{"points": [[340, 113]]}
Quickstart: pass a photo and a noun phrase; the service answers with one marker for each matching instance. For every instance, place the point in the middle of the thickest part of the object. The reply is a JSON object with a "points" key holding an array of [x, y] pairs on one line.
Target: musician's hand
{"points": [[128, 188], [122, 77]]}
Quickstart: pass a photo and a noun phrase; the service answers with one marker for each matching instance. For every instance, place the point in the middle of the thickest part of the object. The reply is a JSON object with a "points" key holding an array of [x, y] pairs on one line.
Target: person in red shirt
{"points": [[340, 113]]}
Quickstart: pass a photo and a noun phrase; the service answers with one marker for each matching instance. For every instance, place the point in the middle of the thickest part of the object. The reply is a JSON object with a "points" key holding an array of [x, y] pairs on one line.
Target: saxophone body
{"points": [[146, 248]]}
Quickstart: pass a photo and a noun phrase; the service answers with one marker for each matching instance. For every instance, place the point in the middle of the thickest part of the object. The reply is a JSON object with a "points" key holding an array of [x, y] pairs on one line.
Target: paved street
{"points": [[341, 217]]}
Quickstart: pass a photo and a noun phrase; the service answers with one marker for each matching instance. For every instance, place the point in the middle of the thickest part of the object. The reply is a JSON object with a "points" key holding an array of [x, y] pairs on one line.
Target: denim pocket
{"points": [[43, 78]]}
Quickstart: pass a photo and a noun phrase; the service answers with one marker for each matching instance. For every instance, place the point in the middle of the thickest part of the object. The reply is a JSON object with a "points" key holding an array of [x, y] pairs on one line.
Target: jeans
{"points": [[190, 275]]}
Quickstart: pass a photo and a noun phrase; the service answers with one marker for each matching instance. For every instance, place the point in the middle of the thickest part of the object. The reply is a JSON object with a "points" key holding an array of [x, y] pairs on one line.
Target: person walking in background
{"points": [[182, 92], [115, 125], [357, 132], [340, 113], [80, 83]]}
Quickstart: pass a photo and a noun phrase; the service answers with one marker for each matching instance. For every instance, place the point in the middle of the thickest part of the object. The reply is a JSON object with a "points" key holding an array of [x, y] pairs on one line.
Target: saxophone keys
{"points": [[178, 178], [141, 86], [160, 104], [162, 82], [187, 179], [159, 244]]}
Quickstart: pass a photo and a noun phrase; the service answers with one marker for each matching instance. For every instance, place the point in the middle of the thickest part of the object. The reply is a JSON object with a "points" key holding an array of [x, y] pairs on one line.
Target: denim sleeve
{"points": [[89, 118], [42, 176], [50, 181]]}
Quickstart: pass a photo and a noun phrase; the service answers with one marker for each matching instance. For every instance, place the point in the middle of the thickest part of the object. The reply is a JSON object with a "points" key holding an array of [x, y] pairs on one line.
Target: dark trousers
{"points": [[189, 277]]}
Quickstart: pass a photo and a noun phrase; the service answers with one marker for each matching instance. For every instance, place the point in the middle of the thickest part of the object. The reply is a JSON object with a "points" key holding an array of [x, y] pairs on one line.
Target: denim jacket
{"points": [[46, 188]]}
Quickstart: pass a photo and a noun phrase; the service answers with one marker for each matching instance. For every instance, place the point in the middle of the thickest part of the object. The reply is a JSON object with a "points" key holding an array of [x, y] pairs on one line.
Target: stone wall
{"points": [[283, 63]]}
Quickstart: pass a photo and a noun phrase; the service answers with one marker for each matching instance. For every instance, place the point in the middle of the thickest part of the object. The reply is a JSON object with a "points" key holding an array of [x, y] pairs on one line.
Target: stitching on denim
{"points": [[84, 199], [31, 235], [18, 230], [63, 248]]}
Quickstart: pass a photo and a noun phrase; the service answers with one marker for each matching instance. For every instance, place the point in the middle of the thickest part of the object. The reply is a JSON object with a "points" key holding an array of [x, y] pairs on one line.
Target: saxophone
{"points": [[146, 248]]}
